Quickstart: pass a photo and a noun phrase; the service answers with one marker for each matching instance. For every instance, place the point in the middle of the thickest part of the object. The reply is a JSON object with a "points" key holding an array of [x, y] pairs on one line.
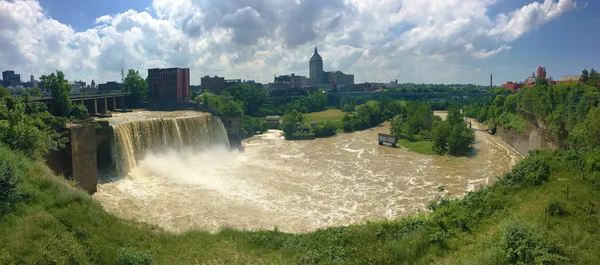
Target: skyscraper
{"points": [[316, 68]]}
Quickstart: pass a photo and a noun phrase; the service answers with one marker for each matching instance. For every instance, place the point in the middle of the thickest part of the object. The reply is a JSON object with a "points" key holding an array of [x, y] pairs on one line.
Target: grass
{"points": [[421, 147], [58, 224], [334, 115]]}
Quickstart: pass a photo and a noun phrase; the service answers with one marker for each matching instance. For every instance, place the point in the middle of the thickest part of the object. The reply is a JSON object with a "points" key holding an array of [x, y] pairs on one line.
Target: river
{"points": [[297, 186]]}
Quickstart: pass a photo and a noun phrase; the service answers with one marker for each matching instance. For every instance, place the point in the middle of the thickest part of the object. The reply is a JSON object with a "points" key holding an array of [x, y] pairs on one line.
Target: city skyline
{"points": [[418, 41]]}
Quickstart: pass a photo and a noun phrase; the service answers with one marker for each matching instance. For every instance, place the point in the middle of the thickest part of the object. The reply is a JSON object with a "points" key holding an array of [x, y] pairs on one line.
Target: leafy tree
{"points": [[291, 121], [454, 116], [60, 88], [4, 93], [396, 126], [29, 131], [584, 76], [324, 129], [439, 137], [460, 139], [594, 79], [136, 85], [591, 128], [230, 108], [253, 98], [34, 92]]}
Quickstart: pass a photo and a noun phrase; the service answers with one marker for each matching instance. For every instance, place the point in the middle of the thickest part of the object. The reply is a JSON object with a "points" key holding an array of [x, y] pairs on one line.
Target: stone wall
{"points": [[532, 139], [77, 160]]}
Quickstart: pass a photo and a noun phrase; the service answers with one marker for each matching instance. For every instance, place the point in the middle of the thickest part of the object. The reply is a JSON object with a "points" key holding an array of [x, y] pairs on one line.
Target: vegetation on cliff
{"points": [[567, 112]]}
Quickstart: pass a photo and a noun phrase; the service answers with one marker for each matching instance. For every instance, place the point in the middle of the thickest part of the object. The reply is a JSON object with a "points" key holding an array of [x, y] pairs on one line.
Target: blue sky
{"points": [[436, 41]]}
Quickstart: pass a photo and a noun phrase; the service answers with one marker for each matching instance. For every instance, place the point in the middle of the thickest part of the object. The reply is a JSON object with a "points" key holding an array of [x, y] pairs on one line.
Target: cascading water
{"points": [[133, 139]]}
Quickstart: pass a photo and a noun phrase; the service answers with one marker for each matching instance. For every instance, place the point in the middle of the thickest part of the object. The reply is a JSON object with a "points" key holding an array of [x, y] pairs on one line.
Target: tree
{"points": [[591, 134], [29, 130], [252, 97], [60, 89], [594, 78], [454, 116], [439, 137], [584, 76], [4, 93], [136, 85], [460, 139], [34, 92], [291, 121], [396, 126]]}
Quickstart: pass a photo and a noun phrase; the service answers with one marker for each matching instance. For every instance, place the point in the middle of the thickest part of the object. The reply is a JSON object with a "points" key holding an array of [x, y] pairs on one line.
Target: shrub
{"points": [[528, 245], [130, 256], [11, 166], [556, 208], [325, 129], [534, 170], [79, 112]]}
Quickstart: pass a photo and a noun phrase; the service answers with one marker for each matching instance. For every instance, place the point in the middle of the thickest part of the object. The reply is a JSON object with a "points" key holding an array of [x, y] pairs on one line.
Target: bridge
{"points": [[334, 98], [95, 103]]}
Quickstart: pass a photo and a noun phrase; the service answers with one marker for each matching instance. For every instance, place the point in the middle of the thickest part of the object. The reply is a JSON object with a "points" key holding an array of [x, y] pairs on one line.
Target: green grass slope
{"points": [[524, 217]]}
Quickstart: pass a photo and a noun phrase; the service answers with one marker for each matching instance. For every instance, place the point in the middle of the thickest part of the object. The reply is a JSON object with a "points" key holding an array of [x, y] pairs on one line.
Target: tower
{"points": [[122, 71], [316, 68], [541, 72]]}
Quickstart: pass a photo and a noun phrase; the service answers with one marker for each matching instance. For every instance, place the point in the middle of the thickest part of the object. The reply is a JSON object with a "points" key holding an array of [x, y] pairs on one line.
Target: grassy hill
{"points": [[526, 216]]}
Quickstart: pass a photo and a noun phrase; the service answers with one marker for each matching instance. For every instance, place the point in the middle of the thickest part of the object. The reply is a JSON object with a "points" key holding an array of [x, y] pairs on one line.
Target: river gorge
{"points": [[186, 177]]}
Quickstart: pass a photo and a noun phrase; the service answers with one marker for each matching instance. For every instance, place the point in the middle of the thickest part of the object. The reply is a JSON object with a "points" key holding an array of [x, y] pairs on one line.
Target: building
{"points": [[168, 86], [568, 78], [293, 80], [338, 78], [9, 78], [77, 87], [541, 72], [515, 87], [109, 86], [232, 82], [213, 84], [318, 77], [316, 68]]}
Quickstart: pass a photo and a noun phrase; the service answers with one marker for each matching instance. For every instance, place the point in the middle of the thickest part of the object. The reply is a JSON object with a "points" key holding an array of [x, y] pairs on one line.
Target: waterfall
{"points": [[132, 140]]}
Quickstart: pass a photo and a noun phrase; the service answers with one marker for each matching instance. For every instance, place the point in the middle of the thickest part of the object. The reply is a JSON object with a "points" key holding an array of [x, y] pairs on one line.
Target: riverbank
{"points": [[64, 225]]}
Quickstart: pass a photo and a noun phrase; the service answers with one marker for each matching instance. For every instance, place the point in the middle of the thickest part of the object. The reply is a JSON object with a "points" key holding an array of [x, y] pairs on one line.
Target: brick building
{"points": [[168, 86], [213, 84]]}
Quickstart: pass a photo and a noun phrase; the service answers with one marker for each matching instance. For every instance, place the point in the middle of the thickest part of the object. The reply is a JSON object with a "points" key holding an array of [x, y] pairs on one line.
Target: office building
{"points": [[213, 84], [168, 87], [316, 68], [10, 79]]}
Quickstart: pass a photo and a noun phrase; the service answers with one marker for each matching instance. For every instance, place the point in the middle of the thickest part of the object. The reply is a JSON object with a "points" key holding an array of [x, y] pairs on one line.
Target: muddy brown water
{"points": [[298, 186]]}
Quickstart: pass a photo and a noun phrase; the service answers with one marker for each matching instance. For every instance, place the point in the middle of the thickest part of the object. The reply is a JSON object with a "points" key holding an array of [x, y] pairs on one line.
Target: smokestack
{"points": [[490, 82]]}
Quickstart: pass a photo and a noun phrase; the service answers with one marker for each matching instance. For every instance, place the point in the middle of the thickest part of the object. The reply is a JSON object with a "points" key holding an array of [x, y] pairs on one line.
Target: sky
{"points": [[413, 41]]}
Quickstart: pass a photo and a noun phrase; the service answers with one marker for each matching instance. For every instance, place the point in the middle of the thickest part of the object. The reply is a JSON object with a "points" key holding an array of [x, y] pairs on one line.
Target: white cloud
{"points": [[375, 40]]}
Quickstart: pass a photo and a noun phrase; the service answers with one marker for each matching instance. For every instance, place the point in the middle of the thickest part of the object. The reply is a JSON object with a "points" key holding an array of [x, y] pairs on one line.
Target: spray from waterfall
{"points": [[133, 140]]}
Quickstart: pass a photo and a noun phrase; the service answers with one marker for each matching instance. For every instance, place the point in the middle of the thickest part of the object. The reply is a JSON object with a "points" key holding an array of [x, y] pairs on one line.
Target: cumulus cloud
{"points": [[375, 40]]}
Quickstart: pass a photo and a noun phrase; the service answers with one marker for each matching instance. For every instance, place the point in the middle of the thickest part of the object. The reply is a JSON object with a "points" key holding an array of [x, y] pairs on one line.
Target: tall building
{"points": [[541, 72], [316, 68], [168, 86], [213, 84], [11, 79]]}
